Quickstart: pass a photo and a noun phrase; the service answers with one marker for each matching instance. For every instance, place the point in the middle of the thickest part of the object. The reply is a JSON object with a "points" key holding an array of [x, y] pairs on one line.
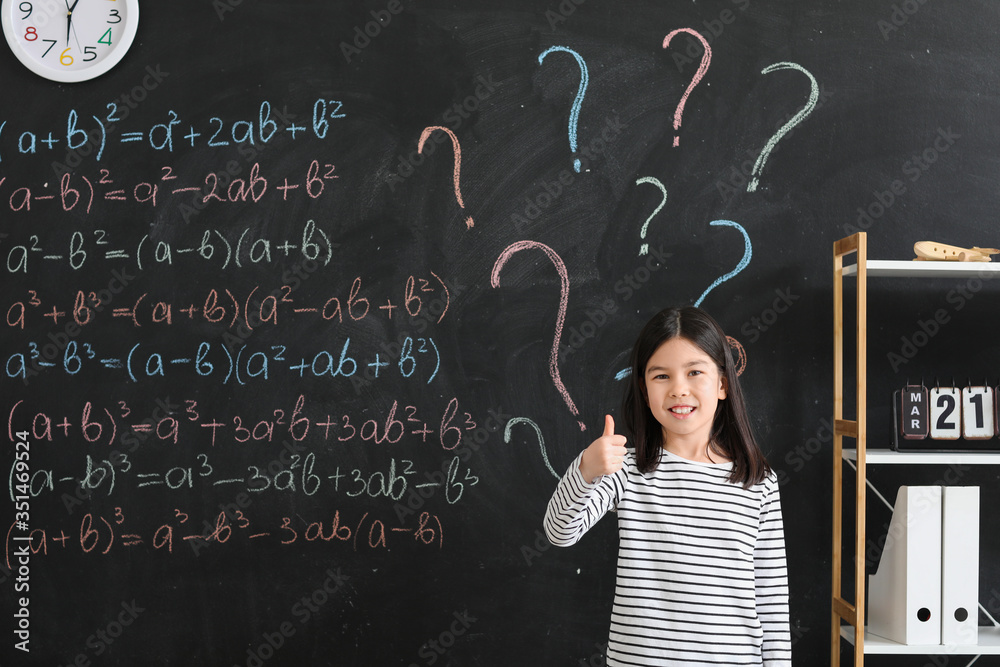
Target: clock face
{"points": [[69, 40]]}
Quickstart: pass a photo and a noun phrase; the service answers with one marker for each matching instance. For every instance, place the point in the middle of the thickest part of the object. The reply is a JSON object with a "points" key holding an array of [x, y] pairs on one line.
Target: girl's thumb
{"points": [[609, 425]]}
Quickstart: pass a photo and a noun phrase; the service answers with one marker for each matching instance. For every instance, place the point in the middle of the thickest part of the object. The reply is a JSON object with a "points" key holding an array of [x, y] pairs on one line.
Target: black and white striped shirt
{"points": [[701, 562]]}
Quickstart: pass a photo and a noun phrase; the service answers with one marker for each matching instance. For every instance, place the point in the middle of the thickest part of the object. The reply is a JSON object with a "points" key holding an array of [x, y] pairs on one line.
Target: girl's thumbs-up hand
{"points": [[604, 455]]}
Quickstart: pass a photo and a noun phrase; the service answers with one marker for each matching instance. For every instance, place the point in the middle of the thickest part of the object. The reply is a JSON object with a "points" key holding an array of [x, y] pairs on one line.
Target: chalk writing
{"points": [[255, 307], [304, 474], [214, 361], [260, 128], [246, 250], [99, 535], [119, 424], [81, 192]]}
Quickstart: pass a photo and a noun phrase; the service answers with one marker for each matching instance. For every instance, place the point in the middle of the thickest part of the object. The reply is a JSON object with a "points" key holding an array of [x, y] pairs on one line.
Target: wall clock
{"points": [[69, 40]]}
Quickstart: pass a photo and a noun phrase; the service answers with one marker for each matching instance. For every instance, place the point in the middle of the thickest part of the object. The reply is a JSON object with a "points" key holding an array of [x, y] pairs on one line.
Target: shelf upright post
{"points": [[857, 429]]}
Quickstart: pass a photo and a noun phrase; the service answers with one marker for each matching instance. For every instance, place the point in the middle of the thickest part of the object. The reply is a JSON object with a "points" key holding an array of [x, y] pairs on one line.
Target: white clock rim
{"points": [[71, 76]]}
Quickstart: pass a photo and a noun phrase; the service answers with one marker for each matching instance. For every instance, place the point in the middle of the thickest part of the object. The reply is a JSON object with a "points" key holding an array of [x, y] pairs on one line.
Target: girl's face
{"points": [[683, 388]]}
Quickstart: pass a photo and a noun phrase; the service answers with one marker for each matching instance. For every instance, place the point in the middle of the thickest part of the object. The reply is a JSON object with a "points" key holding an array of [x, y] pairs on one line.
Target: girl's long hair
{"points": [[731, 436]]}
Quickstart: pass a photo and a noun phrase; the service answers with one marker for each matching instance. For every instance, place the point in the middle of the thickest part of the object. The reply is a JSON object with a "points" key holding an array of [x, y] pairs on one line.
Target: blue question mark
{"points": [[747, 254], [574, 114]]}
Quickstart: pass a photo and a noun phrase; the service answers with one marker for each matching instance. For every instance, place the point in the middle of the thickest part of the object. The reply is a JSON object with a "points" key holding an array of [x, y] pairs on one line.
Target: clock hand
{"points": [[69, 19], [77, 37]]}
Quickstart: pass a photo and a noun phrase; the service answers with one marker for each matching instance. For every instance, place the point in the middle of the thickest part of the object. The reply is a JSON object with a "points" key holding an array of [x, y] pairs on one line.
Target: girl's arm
{"points": [[592, 485], [771, 580], [577, 505]]}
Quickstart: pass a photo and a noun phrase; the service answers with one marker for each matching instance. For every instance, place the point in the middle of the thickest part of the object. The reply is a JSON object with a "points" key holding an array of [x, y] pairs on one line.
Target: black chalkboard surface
{"points": [[307, 305]]}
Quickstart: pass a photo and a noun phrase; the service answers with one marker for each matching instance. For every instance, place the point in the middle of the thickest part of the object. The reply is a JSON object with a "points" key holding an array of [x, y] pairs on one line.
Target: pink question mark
{"points": [[740, 354], [706, 58], [458, 161], [560, 319]]}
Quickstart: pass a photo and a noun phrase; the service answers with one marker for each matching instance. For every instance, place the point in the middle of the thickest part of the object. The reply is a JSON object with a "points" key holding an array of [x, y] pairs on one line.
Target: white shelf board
{"points": [[890, 456], [902, 268], [989, 644]]}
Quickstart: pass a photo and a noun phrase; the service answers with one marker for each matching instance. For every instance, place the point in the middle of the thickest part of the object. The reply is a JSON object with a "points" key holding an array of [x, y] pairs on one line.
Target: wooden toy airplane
{"points": [[931, 251]]}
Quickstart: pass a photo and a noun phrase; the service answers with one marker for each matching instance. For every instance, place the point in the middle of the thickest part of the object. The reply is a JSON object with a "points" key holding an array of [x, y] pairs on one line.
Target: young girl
{"points": [[701, 560]]}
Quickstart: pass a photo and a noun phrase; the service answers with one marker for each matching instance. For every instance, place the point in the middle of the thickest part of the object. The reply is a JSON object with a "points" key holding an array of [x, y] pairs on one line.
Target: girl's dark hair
{"points": [[731, 434]]}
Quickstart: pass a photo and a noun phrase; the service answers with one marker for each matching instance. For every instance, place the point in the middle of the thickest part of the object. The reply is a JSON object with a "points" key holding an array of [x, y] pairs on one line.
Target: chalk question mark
{"points": [[457, 149], [541, 440], [747, 254], [644, 248], [560, 318], [574, 114], [741, 355], [795, 120], [706, 58]]}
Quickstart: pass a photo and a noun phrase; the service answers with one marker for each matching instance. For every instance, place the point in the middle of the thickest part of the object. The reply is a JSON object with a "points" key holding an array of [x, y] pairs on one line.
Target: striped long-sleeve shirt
{"points": [[701, 562]]}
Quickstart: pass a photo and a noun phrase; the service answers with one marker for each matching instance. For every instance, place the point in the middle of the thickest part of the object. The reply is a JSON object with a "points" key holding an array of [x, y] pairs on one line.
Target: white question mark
{"points": [[541, 440], [644, 248], [795, 120]]}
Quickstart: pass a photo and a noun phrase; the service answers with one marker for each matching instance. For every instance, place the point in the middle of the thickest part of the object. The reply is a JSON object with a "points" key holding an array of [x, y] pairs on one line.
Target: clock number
{"points": [[90, 51], [31, 34], [105, 38], [50, 46], [115, 15], [65, 58], [26, 8]]}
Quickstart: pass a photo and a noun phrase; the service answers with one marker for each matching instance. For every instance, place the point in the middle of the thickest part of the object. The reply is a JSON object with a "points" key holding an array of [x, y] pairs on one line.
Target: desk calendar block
{"points": [[946, 413], [978, 418], [914, 412]]}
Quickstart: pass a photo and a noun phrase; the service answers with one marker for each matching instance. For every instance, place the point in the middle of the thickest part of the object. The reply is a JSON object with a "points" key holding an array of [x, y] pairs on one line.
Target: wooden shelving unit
{"points": [[989, 644], [863, 642]]}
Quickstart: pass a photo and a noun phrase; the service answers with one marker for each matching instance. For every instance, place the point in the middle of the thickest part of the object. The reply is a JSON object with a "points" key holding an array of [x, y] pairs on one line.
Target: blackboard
{"points": [[302, 380]]}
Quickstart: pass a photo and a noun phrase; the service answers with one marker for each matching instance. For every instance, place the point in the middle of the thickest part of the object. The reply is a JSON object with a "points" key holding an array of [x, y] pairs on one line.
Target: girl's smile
{"points": [[683, 387]]}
